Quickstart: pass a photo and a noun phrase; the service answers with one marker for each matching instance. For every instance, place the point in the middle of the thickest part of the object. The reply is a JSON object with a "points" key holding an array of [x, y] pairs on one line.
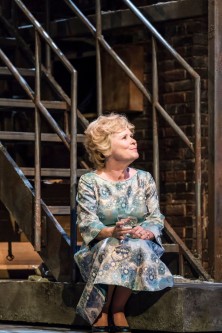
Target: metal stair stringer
{"points": [[17, 194]]}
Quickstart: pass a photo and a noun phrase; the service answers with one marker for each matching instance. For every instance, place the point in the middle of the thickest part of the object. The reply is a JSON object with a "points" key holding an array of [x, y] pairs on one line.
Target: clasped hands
{"points": [[138, 232]]}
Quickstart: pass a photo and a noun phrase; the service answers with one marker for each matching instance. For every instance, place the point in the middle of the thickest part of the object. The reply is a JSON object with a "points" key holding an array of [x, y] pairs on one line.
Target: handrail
{"points": [[36, 98], [196, 77], [156, 105], [125, 68], [58, 89]]}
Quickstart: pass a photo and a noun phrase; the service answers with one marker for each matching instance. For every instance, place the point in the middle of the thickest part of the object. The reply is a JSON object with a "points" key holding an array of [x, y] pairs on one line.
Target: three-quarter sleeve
{"points": [[154, 220], [88, 221]]}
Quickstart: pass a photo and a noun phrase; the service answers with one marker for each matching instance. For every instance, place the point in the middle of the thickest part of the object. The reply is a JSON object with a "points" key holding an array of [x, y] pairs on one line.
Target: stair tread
{"points": [[52, 172], [29, 136], [22, 71], [28, 103]]}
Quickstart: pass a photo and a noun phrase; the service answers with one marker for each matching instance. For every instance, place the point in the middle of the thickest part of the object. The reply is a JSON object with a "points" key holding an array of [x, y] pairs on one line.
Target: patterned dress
{"points": [[134, 263]]}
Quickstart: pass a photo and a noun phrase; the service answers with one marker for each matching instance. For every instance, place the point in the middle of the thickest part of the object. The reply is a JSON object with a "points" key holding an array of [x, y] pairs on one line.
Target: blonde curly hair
{"points": [[98, 135]]}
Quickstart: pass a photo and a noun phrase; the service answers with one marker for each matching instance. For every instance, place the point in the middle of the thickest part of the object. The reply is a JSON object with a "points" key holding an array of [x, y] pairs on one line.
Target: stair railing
{"points": [[153, 99], [158, 107], [69, 141]]}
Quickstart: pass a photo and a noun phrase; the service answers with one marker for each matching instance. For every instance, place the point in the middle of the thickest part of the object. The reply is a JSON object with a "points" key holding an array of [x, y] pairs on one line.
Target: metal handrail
{"points": [[157, 106], [97, 33], [71, 142]]}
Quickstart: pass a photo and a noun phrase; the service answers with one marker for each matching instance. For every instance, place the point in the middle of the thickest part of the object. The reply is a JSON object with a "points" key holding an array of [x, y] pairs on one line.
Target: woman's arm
{"points": [[153, 222], [88, 221]]}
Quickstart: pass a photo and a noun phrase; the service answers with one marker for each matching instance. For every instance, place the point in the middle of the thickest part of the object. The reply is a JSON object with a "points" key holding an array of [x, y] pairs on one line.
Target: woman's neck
{"points": [[114, 173]]}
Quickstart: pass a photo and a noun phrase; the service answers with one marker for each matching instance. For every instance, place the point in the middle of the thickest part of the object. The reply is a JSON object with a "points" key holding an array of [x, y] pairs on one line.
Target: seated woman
{"points": [[116, 259]]}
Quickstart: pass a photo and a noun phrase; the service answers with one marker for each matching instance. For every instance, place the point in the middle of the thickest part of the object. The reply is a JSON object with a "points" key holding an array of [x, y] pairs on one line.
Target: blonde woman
{"points": [[117, 258]]}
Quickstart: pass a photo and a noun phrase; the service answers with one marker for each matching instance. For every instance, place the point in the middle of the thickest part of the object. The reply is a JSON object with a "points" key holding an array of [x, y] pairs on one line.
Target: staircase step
{"points": [[22, 71], [59, 210], [49, 172], [29, 136], [171, 248], [23, 253], [28, 103]]}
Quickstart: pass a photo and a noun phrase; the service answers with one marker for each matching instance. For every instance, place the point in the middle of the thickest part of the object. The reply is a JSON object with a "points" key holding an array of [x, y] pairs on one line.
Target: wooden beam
{"points": [[215, 138]]}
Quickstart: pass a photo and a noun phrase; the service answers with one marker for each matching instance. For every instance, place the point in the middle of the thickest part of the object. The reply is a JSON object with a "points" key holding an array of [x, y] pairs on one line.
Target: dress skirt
{"points": [[132, 263]]}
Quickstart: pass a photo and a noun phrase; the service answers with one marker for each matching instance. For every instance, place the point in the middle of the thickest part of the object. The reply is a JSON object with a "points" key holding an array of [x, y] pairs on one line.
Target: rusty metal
{"points": [[98, 58], [73, 171], [37, 211], [156, 167], [48, 49], [198, 169]]}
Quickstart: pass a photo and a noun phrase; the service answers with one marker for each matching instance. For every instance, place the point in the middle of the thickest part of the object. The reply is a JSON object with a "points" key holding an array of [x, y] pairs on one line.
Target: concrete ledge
{"points": [[187, 307]]}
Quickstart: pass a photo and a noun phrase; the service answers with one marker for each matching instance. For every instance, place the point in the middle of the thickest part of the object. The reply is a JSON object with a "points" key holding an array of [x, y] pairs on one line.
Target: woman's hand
{"points": [[120, 231], [139, 232]]}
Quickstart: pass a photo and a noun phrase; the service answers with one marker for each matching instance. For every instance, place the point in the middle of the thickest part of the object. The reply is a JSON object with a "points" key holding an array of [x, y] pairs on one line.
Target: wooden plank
{"points": [[29, 136], [124, 95]]}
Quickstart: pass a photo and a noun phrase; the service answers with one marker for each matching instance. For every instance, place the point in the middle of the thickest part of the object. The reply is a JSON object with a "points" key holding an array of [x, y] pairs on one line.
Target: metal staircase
{"points": [[54, 119]]}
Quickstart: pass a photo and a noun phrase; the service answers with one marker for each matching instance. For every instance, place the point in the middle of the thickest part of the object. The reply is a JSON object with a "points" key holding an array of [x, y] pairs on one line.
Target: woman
{"points": [[115, 260]]}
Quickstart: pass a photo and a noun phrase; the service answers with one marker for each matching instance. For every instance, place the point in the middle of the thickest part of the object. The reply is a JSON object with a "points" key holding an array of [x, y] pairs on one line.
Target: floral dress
{"points": [[133, 263]]}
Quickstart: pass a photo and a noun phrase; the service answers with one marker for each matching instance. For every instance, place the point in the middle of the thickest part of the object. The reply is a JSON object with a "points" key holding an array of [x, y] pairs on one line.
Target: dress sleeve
{"points": [[154, 220], [87, 219]]}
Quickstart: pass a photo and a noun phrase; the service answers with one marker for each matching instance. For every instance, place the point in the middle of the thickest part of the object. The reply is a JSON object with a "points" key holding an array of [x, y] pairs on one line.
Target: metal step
{"points": [[49, 172], [28, 103], [29, 136], [60, 210], [23, 71]]}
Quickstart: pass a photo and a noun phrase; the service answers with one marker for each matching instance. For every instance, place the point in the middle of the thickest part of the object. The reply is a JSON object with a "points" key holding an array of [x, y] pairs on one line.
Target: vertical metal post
{"points": [[98, 58], [73, 171], [37, 232], [198, 168], [156, 168], [48, 49]]}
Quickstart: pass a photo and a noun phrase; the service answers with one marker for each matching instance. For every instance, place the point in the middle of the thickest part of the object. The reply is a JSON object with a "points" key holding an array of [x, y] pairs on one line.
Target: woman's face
{"points": [[123, 147]]}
